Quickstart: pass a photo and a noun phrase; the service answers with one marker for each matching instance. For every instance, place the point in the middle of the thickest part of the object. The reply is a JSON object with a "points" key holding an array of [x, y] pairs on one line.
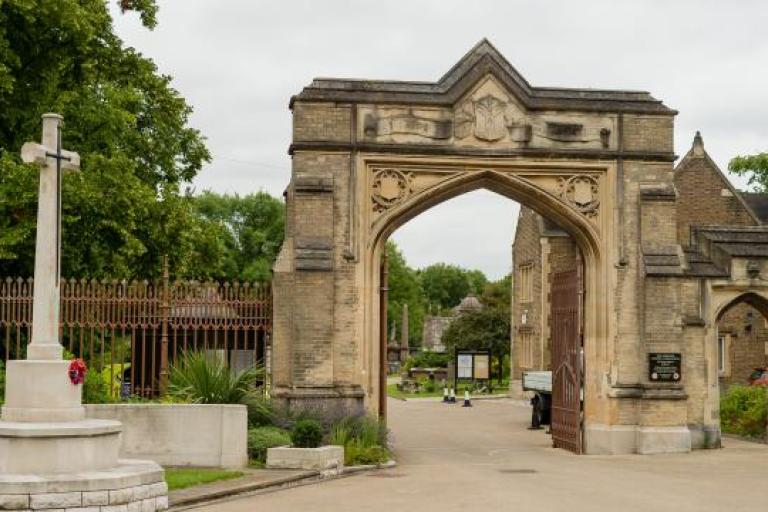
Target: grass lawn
{"points": [[180, 478], [396, 393]]}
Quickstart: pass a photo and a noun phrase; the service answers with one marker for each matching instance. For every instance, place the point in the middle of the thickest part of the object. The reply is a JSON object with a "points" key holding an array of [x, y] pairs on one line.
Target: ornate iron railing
{"points": [[131, 331]]}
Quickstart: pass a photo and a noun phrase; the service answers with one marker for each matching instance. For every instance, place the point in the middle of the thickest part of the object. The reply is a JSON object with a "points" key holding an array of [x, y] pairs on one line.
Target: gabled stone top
{"points": [[482, 60], [698, 152]]}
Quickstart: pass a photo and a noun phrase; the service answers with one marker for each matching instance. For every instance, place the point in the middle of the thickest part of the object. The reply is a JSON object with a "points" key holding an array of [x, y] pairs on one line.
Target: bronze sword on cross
{"points": [[32, 152]]}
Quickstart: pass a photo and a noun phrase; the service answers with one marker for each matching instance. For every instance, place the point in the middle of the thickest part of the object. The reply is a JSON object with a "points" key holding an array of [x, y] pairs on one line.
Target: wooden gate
{"points": [[566, 360]]}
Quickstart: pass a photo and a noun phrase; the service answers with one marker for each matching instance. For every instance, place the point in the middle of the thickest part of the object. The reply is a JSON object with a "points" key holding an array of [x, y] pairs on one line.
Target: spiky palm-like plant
{"points": [[200, 379]]}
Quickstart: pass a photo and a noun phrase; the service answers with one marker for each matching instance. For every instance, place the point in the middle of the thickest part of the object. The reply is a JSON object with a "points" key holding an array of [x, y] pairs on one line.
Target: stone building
{"points": [[705, 197], [436, 325], [540, 248], [368, 156]]}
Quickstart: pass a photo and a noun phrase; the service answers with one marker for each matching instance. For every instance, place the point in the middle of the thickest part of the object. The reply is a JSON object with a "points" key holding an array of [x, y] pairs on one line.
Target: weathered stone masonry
{"points": [[370, 155]]}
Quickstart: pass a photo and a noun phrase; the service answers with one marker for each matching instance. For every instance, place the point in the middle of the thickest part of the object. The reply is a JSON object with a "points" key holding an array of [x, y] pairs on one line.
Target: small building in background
{"points": [[435, 325]]}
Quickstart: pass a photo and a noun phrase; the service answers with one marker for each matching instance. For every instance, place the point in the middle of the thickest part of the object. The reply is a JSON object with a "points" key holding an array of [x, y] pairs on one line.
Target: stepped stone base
{"points": [[64, 447], [40, 391], [131, 486]]}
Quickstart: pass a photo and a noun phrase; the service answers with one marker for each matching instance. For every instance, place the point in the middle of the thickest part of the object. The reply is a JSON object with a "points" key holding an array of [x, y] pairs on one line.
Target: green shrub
{"points": [[364, 439], [307, 433], [355, 454], [261, 412], [261, 438], [427, 360], [95, 390], [744, 411], [197, 378]]}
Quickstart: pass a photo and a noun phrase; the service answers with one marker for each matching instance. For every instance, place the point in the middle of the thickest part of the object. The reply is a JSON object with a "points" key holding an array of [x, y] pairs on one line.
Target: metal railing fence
{"points": [[132, 331]]}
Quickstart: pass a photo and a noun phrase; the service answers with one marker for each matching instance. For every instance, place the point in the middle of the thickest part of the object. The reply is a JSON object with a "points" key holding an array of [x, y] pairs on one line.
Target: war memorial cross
{"points": [[53, 160]]}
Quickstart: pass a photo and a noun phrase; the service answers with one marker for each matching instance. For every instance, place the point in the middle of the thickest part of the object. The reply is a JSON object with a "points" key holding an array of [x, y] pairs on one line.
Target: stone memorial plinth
{"points": [[51, 456]]}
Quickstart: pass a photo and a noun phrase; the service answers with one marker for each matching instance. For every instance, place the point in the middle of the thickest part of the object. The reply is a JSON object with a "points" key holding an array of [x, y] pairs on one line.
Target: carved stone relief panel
{"points": [[391, 186], [581, 191], [487, 116], [405, 125]]}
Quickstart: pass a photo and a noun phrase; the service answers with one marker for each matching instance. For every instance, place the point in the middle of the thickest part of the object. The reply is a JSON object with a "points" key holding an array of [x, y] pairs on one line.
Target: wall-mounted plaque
{"points": [[664, 366]]}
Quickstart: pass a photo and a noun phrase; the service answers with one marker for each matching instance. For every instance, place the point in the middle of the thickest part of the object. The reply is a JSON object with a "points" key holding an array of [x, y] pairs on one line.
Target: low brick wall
{"points": [[146, 498], [181, 434], [131, 486]]}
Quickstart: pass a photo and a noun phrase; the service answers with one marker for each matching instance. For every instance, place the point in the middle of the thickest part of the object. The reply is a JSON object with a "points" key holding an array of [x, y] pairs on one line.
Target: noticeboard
{"points": [[473, 365], [464, 366], [664, 366]]}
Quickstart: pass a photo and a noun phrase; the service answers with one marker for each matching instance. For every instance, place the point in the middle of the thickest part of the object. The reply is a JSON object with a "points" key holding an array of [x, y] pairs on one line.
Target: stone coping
{"points": [[83, 428], [128, 473]]}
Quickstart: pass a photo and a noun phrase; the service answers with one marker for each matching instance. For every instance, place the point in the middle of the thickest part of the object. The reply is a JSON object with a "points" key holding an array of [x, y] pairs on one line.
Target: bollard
{"points": [[452, 397], [467, 402], [445, 396]]}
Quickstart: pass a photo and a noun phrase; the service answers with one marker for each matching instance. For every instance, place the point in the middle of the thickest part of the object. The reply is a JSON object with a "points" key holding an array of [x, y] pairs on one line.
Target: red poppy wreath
{"points": [[77, 371]]}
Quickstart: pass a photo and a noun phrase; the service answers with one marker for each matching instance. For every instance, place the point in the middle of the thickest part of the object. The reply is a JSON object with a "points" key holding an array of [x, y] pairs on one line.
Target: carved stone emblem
{"points": [[489, 118], [390, 186], [581, 192]]}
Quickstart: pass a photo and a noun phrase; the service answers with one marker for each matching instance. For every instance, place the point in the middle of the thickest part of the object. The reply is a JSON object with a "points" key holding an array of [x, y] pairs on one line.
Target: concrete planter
{"points": [[329, 460], [180, 434]]}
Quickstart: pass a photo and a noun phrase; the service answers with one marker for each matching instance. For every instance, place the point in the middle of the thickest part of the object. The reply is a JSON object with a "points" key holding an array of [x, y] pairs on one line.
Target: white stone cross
{"points": [[45, 307]]}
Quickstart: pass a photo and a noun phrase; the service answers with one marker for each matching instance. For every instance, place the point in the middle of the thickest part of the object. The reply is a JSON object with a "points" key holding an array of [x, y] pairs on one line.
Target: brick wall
{"points": [[746, 332], [526, 252], [322, 122], [704, 197], [544, 255]]}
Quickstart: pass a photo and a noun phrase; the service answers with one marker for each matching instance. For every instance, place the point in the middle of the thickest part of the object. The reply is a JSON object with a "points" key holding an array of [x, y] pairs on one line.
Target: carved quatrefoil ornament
{"points": [[390, 187], [581, 192]]}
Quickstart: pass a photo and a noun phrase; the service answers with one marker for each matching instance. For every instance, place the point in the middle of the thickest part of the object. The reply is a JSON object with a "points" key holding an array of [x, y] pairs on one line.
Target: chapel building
{"points": [[706, 203]]}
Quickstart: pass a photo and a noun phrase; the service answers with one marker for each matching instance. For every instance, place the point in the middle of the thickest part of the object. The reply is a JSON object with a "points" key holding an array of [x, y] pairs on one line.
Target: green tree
{"points": [[404, 288], [498, 294], [755, 167], [445, 285], [126, 208], [250, 229], [488, 328]]}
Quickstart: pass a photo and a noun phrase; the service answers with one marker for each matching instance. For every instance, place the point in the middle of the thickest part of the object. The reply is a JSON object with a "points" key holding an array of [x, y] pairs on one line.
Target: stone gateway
{"points": [[370, 155]]}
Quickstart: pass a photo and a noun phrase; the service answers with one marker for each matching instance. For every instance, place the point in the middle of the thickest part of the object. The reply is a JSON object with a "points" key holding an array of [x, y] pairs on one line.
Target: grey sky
{"points": [[239, 61]]}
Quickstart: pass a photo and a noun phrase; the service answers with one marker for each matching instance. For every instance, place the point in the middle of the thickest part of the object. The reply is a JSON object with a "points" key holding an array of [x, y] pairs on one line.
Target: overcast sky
{"points": [[237, 62]]}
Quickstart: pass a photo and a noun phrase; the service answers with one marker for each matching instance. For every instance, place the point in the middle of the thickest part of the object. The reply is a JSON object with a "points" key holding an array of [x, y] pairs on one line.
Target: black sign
{"points": [[664, 366]]}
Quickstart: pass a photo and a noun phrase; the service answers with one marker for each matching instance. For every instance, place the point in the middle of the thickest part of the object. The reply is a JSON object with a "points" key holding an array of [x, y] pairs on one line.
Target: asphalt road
{"points": [[484, 459]]}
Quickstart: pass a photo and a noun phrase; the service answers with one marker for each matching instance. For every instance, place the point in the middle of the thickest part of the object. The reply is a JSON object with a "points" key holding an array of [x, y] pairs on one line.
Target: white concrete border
{"points": [[181, 434]]}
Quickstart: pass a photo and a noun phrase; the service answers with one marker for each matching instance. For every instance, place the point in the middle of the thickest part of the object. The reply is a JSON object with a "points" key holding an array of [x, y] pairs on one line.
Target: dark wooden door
{"points": [[566, 360]]}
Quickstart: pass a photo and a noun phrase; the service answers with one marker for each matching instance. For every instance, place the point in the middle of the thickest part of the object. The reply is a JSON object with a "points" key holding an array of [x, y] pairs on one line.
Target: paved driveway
{"points": [[483, 459]]}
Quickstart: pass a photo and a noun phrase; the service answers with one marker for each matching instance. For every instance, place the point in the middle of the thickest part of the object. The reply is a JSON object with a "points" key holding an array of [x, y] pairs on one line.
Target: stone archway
{"points": [[369, 155], [543, 187]]}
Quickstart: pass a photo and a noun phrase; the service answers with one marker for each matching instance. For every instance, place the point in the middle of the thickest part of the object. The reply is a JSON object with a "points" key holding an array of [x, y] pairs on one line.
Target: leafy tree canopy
{"points": [[498, 294], [248, 233], [488, 328], [441, 287], [445, 285], [126, 208], [404, 288], [755, 167]]}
